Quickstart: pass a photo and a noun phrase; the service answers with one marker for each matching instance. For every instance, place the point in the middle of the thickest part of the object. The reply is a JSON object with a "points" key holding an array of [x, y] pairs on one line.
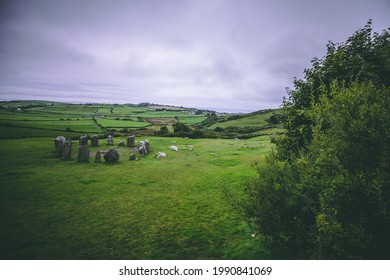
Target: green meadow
{"points": [[255, 120], [183, 206]]}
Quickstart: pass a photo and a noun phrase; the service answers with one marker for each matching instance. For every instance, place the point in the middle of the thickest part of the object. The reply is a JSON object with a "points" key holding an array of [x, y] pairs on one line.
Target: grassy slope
{"points": [[121, 123], [258, 120], [171, 208], [37, 123]]}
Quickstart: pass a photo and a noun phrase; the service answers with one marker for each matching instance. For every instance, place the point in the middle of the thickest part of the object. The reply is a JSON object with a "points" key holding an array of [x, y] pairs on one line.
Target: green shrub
{"points": [[324, 193]]}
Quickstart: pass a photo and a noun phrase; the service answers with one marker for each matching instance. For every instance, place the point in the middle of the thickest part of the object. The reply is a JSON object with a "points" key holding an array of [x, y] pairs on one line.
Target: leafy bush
{"points": [[163, 130], [181, 127], [324, 193], [364, 57]]}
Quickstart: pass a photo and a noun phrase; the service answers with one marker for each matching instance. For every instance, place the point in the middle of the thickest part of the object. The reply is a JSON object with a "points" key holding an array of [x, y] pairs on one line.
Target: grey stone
{"points": [[83, 140], [58, 144], [142, 149], [131, 141], [83, 153], [111, 156], [121, 143], [67, 149], [132, 156], [110, 140], [147, 145], [94, 140], [57, 140], [98, 157]]}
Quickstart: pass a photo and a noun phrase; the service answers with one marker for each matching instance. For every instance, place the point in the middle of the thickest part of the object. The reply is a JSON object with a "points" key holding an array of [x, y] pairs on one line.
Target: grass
{"points": [[257, 120], [129, 110], [104, 110], [76, 110], [192, 119], [83, 125], [164, 114], [121, 123], [179, 207], [21, 132], [184, 206]]}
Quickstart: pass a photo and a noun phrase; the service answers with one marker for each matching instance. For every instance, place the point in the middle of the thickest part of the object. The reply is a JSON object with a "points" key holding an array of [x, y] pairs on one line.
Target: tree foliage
{"points": [[164, 130], [181, 127], [364, 57], [324, 193]]}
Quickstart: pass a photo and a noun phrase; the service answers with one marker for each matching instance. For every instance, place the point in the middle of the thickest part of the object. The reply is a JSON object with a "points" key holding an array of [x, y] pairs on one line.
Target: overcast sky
{"points": [[227, 55]]}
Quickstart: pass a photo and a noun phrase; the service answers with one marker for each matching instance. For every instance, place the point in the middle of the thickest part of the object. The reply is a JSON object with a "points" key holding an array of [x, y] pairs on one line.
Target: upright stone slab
{"points": [[83, 140], [94, 141], [58, 144], [83, 153], [131, 141], [147, 146], [57, 140], [111, 156], [67, 149], [142, 149], [132, 156], [98, 157], [110, 140]]}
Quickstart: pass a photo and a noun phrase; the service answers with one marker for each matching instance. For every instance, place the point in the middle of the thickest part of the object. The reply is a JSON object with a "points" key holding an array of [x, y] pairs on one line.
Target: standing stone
{"points": [[111, 156], [95, 141], [58, 143], [147, 146], [83, 153], [83, 140], [110, 140], [98, 157], [57, 140], [132, 156], [121, 143], [142, 149], [67, 149], [131, 141]]}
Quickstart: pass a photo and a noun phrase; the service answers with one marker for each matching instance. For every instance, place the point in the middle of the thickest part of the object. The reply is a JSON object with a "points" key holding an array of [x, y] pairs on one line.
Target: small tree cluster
{"points": [[324, 192]]}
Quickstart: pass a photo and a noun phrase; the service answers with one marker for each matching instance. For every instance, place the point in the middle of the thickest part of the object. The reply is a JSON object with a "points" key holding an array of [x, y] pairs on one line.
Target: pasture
{"points": [[253, 120], [184, 206]]}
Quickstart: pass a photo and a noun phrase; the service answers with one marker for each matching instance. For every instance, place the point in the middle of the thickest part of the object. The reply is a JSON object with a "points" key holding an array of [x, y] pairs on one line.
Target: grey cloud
{"points": [[217, 53]]}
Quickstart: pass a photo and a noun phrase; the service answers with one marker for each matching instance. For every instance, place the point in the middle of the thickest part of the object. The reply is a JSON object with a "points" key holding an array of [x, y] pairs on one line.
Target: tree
{"points": [[325, 191], [164, 130], [274, 119], [364, 57], [181, 127]]}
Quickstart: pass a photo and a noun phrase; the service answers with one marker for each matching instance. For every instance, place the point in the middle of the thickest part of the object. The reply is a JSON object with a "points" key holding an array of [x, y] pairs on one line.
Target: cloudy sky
{"points": [[227, 55]]}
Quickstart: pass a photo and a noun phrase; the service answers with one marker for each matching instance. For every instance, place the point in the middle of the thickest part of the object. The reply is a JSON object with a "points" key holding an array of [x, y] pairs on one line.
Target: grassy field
{"points": [[184, 206], [121, 123], [179, 207], [190, 120], [258, 120], [84, 125]]}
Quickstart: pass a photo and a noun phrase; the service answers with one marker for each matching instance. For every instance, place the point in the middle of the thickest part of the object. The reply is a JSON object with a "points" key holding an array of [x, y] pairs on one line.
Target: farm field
{"points": [[43, 119], [121, 123], [50, 119], [258, 120]]}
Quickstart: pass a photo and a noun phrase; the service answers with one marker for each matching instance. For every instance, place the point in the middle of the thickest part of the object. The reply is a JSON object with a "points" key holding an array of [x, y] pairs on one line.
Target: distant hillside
{"points": [[263, 122], [21, 119]]}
